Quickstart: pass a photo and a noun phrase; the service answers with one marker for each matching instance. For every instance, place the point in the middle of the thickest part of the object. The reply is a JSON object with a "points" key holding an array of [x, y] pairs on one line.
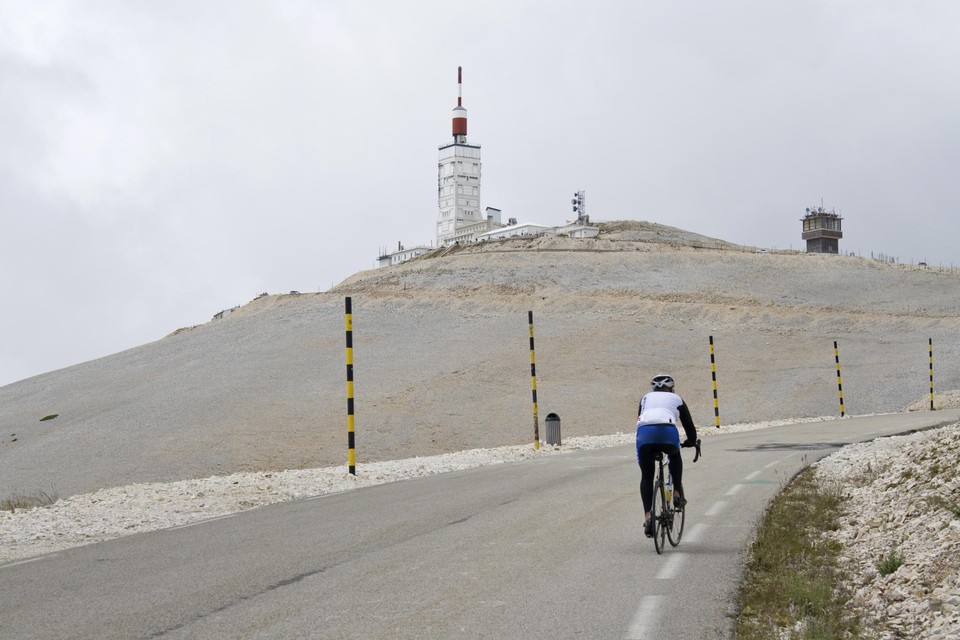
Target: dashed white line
{"points": [[695, 533], [716, 508], [776, 462], [671, 566], [645, 619], [734, 490], [753, 475]]}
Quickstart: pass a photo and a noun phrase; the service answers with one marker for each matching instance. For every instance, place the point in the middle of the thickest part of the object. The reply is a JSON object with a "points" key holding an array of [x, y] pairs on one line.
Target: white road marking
{"points": [[695, 533], [205, 521], [28, 560], [753, 475], [716, 508], [671, 566], [734, 490], [645, 619], [776, 462]]}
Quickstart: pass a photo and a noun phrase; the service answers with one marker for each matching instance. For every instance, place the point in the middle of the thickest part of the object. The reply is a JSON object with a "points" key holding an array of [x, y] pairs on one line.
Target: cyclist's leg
{"points": [[676, 472], [645, 458], [647, 436], [651, 439]]}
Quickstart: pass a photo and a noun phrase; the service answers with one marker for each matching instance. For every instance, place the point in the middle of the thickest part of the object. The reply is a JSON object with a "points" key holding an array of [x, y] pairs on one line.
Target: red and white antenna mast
{"points": [[459, 113]]}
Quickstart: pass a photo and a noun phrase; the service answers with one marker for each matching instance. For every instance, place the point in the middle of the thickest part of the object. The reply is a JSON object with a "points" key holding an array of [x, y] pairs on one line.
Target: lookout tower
{"points": [[458, 181], [821, 230]]}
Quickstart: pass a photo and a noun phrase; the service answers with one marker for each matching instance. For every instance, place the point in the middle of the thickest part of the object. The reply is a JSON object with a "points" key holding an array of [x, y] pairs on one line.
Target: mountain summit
{"points": [[442, 359]]}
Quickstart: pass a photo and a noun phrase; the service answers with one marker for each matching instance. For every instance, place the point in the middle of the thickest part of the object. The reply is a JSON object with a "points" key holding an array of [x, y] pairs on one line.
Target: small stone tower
{"points": [[821, 230]]}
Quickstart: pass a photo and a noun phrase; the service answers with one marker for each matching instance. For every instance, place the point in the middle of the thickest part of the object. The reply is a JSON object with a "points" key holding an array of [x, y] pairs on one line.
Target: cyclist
{"points": [[660, 411]]}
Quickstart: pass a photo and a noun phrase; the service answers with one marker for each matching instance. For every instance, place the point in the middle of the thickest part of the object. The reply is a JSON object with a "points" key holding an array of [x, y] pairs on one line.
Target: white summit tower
{"points": [[458, 182]]}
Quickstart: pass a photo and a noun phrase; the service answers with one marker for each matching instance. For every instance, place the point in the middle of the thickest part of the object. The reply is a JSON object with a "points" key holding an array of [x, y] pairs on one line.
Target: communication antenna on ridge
{"points": [[580, 207]]}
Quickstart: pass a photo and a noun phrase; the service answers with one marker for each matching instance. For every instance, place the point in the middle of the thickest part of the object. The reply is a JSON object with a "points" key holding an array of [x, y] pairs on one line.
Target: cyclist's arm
{"points": [[686, 420]]}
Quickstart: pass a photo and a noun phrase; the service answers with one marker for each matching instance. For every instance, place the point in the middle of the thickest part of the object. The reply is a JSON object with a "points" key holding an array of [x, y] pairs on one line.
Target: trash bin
{"points": [[553, 429]]}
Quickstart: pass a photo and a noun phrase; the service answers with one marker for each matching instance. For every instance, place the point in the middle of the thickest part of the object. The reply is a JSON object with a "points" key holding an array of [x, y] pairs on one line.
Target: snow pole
{"points": [[713, 375], [931, 374], [351, 443], [533, 382], [836, 355]]}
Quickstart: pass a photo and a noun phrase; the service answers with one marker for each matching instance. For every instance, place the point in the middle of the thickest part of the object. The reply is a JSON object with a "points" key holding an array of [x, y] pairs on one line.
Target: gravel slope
{"points": [[903, 499], [442, 359], [442, 366]]}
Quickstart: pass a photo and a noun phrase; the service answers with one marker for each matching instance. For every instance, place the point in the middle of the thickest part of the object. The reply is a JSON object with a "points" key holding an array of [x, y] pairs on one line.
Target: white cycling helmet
{"points": [[662, 382]]}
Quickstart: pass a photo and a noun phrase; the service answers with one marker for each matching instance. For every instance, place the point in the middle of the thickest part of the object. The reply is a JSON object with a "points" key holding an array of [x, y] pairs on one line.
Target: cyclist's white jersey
{"points": [[660, 407]]}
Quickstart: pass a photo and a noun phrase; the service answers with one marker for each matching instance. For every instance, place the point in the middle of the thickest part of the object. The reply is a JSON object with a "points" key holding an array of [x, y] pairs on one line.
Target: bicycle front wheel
{"points": [[660, 516]]}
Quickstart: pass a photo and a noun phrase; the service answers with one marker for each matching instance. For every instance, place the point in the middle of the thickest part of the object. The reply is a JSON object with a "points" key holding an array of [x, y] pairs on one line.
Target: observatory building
{"points": [[821, 230], [461, 218], [458, 184]]}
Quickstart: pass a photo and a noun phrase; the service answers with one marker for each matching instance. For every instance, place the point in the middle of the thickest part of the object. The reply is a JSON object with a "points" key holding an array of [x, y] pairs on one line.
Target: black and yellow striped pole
{"points": [[351, 453], [533, 382], [713, 375], [931, 374], [836, 355]]}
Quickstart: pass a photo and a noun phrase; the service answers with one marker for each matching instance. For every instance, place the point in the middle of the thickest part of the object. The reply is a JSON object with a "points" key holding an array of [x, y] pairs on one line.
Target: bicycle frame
{"points": [[668, 520]]}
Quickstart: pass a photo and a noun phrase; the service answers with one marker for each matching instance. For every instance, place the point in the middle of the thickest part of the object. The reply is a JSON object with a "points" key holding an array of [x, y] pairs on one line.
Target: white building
{"points": [[402, 254], [458, 184], [525, 230], [578, 230], [460, 219]]}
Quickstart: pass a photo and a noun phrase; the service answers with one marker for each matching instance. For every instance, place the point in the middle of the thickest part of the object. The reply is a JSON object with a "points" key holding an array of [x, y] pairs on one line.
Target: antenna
{"points": [[579, 203], [459, 113]]}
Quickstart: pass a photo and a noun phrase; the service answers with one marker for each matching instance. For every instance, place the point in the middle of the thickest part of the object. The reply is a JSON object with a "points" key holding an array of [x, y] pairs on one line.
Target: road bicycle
{"points": [[667, 516]]}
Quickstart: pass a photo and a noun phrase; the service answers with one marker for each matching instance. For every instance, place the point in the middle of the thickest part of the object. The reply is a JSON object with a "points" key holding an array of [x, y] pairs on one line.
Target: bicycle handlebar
{"points": [[695, 445]]}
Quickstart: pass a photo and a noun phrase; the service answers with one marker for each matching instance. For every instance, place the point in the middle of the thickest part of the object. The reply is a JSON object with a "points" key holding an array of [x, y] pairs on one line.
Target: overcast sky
{"points": [[162, 161]]}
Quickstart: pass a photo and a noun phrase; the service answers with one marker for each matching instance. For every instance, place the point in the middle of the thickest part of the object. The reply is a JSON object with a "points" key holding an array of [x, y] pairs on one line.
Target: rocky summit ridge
{"points": [[442, 359]]}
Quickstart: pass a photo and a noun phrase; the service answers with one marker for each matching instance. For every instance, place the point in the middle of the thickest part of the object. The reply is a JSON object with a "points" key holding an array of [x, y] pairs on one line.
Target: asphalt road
{"points": [[550, 548]]}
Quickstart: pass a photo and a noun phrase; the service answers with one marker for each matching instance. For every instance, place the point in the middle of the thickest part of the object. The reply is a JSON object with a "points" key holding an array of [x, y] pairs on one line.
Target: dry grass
{"points": [[20, 501], [788, 590]]}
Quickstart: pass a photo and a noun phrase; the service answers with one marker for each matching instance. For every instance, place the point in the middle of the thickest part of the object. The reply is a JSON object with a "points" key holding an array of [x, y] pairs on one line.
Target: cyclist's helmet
{"points": [[662, 382]]}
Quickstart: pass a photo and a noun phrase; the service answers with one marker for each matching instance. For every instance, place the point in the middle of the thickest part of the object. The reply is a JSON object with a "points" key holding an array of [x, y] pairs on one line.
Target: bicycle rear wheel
{"points": [[659, 514], [675, 531]]}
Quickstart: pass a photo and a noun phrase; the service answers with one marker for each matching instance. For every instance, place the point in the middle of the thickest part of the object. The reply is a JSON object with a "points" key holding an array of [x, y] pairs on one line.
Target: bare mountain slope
{"points": [[442, 362]]}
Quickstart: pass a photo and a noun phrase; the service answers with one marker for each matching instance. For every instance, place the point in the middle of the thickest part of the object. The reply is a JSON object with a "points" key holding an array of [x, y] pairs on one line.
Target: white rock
{"points": [[897, 595]]}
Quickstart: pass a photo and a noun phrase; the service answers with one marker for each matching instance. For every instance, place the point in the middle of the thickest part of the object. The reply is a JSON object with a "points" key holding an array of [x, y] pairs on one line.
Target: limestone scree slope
{"points": [[442, 358]]}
